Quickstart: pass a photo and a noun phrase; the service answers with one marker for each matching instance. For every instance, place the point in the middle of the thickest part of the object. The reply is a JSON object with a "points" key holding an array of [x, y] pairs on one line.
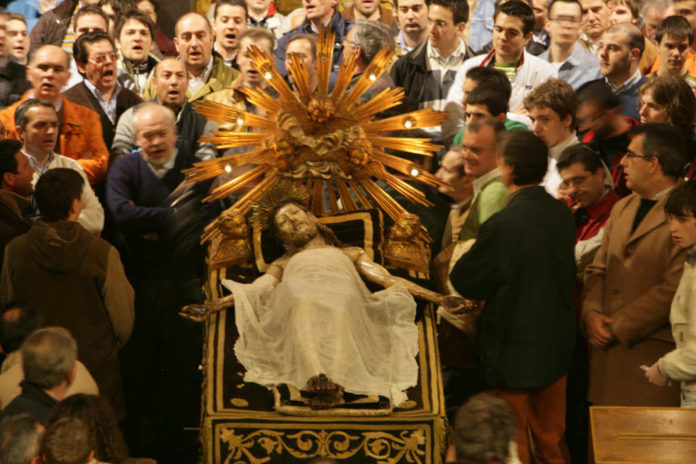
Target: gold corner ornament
{"points": [[328, 143], [257, 447]]}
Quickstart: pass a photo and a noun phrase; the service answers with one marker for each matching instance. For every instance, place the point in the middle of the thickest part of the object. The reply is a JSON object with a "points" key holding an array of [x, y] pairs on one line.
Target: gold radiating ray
{"points": [[345, 74], [244, 203], [317, 199], [228, 139], [325, 47], [261, 99], [231, 186], [362, 199], [405, 144], [407, 191], [226, 114], [386, 203], [429, 179], [418, 119], [204, 170], [347, 200], [376, 68], [333, 202], [382, 101], [264, 65], [299, 74]]}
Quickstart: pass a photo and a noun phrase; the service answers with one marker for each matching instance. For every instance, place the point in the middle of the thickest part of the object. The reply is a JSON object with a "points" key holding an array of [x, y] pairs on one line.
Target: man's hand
{"points": [[655, 376], [597, 328]]}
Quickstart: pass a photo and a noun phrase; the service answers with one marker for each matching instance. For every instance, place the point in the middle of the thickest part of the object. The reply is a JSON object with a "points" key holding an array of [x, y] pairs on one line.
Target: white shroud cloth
{"points": [[321, 318]]}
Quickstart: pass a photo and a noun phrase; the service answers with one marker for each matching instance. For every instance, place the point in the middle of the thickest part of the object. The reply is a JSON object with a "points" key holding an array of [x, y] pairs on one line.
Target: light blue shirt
{"points": [[580, 67], [109, 106], [481, 28]]}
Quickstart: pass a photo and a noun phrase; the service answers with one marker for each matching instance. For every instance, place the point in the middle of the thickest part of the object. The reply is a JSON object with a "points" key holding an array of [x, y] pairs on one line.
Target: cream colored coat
{"points": [[632, 279]]}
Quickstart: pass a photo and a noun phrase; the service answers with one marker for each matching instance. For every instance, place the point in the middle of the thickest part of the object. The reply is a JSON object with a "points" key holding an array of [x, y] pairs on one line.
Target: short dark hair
{"points": [[16, 323], [666, 143], [459, 9], [258, 33], [16, 17], [496, 126], [519, 9], [8, 162], [528, 156], [311, 38], [136, 15], [555, 94], [20, 116], [80, 50], [580, 153], [240, 3], [492, 97], [553, 2], [55, 192], [20, 438], [633, 5], [635, 36], [676, 26], [598, 92], [682, 200], [90, 10], [483, 429], [492, 76], [67, 441], [119, 6]]}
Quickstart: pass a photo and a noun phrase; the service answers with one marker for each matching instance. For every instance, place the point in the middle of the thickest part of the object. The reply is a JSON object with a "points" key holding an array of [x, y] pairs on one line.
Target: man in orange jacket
{"points": [[81, 132]]}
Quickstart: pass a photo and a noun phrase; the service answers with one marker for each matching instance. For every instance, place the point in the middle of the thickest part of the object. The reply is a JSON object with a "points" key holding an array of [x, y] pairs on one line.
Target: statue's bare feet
{"points": [[324, 394]]}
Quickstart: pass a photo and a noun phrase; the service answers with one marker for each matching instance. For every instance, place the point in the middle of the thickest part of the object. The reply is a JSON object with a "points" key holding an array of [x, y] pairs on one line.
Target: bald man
{"points": [[194, 43], [81, 131]]}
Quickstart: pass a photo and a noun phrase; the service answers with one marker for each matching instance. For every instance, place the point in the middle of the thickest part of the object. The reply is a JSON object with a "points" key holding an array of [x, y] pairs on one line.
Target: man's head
{"points": [[90, 19], [365, 39], [155, 132], [3, 44], [17, 322], [673, 37], [514, 24], [565, 22], [478, 74], [304, 47], [598, 109], [668, 99], [59, 195], [624, 11], [485, 100], [582, 171], [68, 441], [264, 40], [258, 7], [194, 41], [551, 106], [452, 171], [483, 429], [48, 71], [681, 214], [480, 144], [170, 81], [595, 18], [687, 9], [48, 357], [523, 159], [113, 9], [448, 20], [15, 171], [319, 11], [230, 22], [134, 34], [17, 40], [620, 51], [656, 152], [653, 12], [149, 7], [20, 439], [96, 57], [366, 8], [412, 16], [37, 126], [540, 9]]}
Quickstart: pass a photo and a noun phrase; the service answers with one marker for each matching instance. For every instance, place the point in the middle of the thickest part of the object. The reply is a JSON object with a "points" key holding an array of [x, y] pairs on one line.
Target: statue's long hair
{"points": [[326, 232]]}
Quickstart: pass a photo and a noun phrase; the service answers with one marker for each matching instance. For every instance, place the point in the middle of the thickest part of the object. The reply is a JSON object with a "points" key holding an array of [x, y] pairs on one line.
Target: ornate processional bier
{"points": [[329, 145]]}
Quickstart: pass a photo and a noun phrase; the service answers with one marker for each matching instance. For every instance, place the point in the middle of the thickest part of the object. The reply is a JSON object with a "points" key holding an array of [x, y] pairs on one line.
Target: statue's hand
{"points": [[195, 312], [458, 305]]}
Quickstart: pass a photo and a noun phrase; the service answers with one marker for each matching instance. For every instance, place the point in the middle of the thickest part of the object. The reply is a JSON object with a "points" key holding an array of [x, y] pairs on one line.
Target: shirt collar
{"points": [[662, 194], [97, 93], [630, 82], [489, 60], [205, 75], [479, 183], [160, 170], [35, 163], [460, 51]]}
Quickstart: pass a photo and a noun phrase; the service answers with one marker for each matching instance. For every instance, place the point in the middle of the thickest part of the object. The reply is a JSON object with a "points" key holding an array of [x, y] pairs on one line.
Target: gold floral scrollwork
{"points": [[385, 448]]}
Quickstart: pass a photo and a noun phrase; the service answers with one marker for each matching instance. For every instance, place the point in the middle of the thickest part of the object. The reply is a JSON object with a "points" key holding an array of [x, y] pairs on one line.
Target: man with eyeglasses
{"points": [[630, 284], [427, 73], [514, 24], [100, 90], [80, 130], [574, 63]]}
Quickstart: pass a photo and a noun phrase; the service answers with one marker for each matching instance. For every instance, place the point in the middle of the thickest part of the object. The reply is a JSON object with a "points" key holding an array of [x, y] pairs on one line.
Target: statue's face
{"points": [[294, 225]]}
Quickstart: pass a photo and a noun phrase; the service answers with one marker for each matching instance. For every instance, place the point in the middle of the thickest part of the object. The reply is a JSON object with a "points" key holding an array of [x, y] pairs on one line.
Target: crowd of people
{"points": [[568, 208]]}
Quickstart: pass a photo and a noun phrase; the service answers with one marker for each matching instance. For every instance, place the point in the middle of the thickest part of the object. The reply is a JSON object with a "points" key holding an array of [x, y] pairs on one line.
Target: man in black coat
{"points": [[15, 189], [522, 264]]}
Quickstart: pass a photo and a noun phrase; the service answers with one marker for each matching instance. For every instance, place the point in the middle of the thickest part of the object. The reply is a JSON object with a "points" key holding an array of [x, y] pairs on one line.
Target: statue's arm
{"points": [[201, 312], [377, 273]]}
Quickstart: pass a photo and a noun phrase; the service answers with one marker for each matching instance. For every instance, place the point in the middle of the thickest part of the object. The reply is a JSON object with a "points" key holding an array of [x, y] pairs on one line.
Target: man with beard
{"points": [[100, 90]]}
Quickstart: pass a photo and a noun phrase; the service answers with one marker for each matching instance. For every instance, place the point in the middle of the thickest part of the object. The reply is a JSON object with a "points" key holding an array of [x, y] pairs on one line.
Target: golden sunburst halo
{"points": [[328, 143]]}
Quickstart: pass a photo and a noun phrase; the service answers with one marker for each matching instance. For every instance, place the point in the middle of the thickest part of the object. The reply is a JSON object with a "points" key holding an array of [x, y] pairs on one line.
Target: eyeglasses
{"points": [[566, 20], [104, 57], [574, 182], [630, 155]]}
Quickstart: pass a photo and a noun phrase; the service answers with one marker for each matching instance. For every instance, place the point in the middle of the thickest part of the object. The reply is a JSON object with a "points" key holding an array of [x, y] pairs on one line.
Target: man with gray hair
{"points": [[48, 359], [364, 40], [20, 439]]}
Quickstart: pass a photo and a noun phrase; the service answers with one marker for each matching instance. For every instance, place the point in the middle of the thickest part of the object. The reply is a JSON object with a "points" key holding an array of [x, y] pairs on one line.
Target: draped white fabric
{"points": [[321, 318]]}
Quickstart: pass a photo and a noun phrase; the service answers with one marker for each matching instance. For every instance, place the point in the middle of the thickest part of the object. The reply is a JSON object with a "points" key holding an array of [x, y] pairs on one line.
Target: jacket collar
{"points": [[654, 219], [14, 202]]}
